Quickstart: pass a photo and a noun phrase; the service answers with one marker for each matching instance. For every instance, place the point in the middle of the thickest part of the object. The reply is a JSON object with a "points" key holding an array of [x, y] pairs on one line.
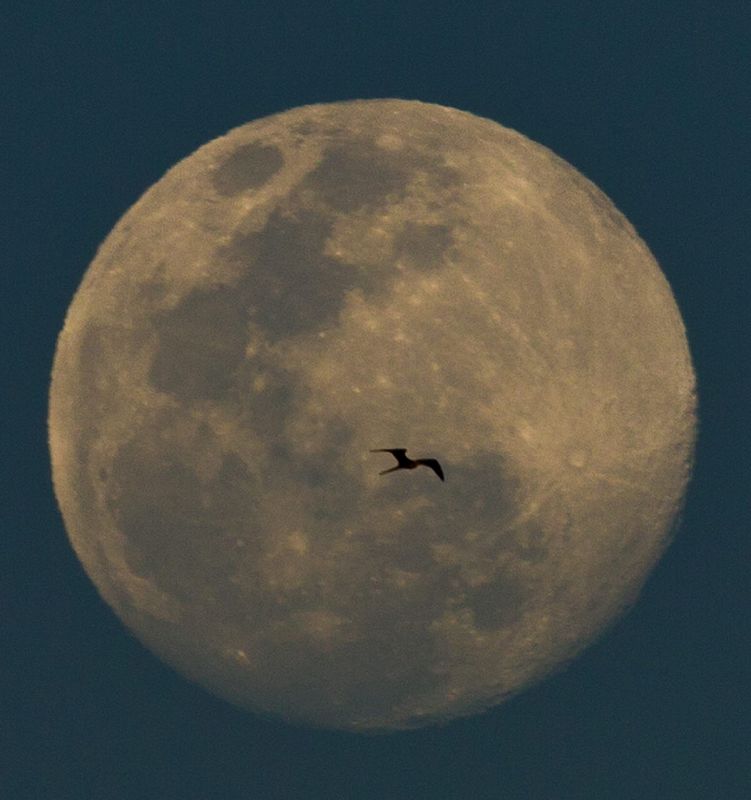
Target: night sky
{"points": [[652, 102]]}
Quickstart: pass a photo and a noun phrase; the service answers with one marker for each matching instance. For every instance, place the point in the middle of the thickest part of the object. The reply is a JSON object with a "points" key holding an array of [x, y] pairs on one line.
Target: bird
{"points": [[404, 462]]}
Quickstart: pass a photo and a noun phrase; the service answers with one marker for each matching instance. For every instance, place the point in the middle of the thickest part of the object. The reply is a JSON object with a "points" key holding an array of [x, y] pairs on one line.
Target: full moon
{"points": [[341, 278]]}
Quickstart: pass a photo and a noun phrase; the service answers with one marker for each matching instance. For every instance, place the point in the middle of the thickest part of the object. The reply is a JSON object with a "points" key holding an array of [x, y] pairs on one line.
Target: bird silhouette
{"points": [[404, 462]]}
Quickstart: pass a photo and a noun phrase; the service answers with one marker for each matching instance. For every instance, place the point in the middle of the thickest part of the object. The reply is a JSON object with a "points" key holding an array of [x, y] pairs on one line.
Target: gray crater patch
{"points": [[424, 246], [201, 344], [289, 286], [356, 175], [497, 603], [270, 406], [181, 532], [249, 167]]}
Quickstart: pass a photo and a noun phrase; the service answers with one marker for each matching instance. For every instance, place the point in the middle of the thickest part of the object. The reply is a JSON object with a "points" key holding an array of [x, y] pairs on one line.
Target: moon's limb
{"points": [[335, 276]]}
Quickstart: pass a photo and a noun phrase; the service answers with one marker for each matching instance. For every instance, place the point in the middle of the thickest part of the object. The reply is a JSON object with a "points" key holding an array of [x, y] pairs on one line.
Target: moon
{"points": [[346, 277]]}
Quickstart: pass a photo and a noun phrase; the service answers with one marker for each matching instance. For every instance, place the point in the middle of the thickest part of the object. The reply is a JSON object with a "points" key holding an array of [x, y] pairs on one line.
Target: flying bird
{"points": [[403, 462]]}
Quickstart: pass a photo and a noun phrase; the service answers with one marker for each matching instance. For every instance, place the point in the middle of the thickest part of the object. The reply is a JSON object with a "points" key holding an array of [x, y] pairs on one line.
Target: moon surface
{"points": [[345, 277]]}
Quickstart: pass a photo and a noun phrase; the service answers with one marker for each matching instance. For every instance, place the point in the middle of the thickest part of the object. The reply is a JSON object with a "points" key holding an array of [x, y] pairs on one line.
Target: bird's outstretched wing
{"points": [[393, 469], [392, 450], [433, 464]]}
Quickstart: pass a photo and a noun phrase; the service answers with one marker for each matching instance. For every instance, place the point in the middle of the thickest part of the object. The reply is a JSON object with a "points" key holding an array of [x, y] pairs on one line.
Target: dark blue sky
{"points": [[652, 102]]}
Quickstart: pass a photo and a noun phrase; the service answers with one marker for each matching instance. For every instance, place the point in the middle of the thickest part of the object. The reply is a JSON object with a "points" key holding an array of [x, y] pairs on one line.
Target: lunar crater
{"points": [[250, 166]]}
